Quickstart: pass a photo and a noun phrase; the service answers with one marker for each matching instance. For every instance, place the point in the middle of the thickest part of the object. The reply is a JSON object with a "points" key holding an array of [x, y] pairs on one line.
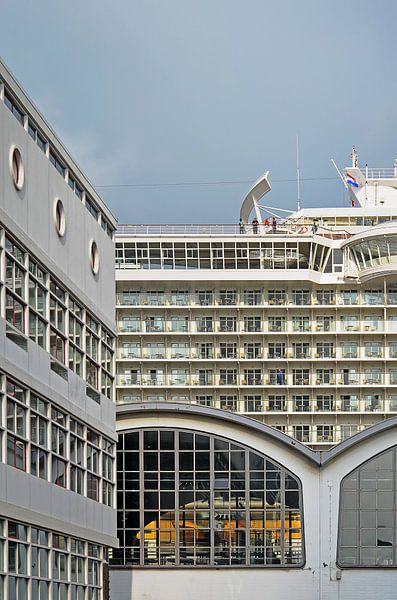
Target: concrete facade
{"points": [[57, 425]]}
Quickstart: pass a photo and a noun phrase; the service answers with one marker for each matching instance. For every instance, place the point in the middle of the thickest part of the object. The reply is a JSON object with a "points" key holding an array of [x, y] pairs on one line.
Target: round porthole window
{"points": [[59, 217], [17, 169], [94, 257]]}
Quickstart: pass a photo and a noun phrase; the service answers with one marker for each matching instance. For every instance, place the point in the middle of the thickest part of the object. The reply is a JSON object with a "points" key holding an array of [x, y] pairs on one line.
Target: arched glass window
{"points": [[187, 498], [367, 524]]}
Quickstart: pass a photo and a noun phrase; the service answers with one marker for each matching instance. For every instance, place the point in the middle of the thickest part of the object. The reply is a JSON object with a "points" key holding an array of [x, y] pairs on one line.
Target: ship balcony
{"points": [[126, 299]]}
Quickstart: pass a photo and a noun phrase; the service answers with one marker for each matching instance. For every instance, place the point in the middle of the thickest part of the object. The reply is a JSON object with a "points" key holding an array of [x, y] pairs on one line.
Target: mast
{"points": [[298, 175]]}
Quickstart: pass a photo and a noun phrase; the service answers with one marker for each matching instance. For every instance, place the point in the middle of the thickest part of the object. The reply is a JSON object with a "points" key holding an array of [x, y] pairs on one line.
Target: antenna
{"points": [[298, 182], [339, 173]]}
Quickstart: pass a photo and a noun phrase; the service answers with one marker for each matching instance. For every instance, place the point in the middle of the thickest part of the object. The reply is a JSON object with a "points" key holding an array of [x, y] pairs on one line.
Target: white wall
{"points": [[30, 214], [317, 580]]}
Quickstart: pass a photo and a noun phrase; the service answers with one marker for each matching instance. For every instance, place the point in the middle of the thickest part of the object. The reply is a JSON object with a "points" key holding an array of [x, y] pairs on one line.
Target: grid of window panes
{"points": [[38, 564], [45, 441], [189, 498], [320, 349], [28, 123], [36, 305], [367, 520], [237, 254]]}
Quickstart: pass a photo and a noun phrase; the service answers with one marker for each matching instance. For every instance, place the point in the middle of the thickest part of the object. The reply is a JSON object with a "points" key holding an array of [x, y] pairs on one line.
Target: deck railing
{"points": [[191, 229]]}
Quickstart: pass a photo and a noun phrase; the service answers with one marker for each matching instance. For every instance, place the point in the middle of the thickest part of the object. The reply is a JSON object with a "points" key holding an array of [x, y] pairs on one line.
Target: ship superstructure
{"points": [[287, 317]]}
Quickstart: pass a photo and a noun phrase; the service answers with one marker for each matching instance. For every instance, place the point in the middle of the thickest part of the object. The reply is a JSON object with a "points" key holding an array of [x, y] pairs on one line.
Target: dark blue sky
{"points": [[168, 91]]}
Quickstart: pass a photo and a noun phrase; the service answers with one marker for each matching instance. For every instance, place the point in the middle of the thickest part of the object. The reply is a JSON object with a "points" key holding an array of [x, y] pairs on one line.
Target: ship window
{"points": [[207, 501]]}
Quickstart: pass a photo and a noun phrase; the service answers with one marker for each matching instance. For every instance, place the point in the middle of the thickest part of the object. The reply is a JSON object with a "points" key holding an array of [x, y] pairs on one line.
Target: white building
{"points": [[57, 421], [291, 321], [213, 504]]}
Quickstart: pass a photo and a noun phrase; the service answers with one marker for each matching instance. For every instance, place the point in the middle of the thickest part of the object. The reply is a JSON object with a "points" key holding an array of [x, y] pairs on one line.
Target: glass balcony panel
{"points": [[391, 325], [374, 377], [128, 351], [373, 297], [372, 324], [373, 404], [128, 298], [277, 325], [180, 351], [129, 325], [227, 298], [325, 405], [205, 325], [301, 406], [179, 324], [154, 325], [393, 376], [373, 350], [154, 299], [349, 323], [349, 403], [392, 297], [154, 351], [349, 350], [325, 297], [348, 377], [204, 298], [179, 298], [348, 297], [129, 378]]}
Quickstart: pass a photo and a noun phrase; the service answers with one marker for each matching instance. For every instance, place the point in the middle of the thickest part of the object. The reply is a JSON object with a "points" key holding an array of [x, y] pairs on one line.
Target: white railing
{"points": [[182, 229], [379, 173], [282, 228], [188, 229]]}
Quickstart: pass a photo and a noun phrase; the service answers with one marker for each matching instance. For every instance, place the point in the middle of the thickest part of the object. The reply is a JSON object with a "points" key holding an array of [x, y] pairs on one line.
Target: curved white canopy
{"points": [[258, 190]]}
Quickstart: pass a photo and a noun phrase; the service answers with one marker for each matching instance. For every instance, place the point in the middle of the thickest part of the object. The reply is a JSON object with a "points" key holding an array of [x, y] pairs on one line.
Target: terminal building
{"points": [[256, 390], [57, 338]]}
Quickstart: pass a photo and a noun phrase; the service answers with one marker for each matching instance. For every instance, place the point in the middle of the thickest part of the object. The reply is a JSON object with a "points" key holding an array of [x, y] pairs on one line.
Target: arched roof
{"points": [[379, 231], [318, 457]]}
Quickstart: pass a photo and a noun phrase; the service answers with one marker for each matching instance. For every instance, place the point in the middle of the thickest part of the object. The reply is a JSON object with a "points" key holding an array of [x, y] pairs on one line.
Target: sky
{"points": [[173, 107]]}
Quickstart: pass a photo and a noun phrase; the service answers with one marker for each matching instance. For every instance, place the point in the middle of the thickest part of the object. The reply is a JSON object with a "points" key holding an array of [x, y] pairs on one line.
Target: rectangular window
{"points": [[277, 297], [252, 350], [54, 160], [16, 111], [228, 350], [90, 206], [276, 324], [252, 297], [16, 452]]}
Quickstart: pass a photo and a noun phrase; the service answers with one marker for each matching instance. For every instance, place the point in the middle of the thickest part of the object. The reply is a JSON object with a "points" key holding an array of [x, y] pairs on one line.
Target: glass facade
{"points": [[368, 509], [188, 498], [374, 252], [49, 443], [38, 564], [36, 306]]}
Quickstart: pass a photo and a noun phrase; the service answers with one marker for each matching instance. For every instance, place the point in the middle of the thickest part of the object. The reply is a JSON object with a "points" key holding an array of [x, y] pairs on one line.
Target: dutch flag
{"points": [[351, 180]]}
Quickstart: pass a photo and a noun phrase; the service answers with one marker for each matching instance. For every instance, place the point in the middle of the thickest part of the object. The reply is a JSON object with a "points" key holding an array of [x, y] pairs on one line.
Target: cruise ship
{"points": [[256, 385], [289, 318]]}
